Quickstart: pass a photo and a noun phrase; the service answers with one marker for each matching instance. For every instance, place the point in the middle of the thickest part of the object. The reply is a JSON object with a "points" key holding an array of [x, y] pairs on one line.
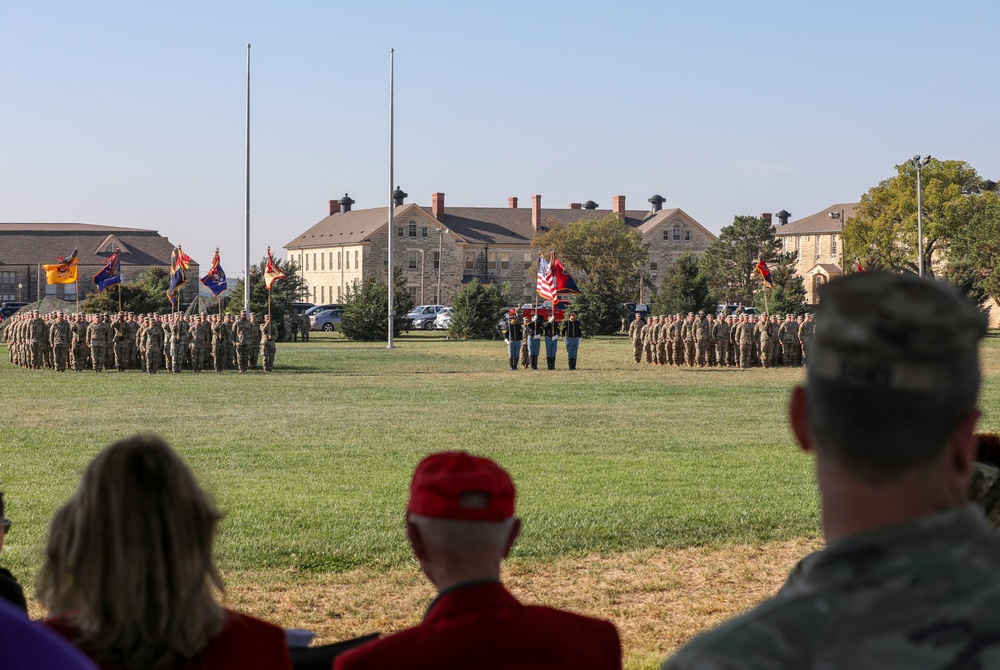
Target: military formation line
{"points": [[147, 342], [736, 341]]}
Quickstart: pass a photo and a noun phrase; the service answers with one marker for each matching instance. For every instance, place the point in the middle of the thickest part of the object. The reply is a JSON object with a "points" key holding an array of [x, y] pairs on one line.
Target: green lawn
{"points": [[311, 464]]}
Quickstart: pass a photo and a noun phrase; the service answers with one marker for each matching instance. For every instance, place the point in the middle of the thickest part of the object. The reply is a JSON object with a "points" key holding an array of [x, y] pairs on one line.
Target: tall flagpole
{"points": [[246, 246], [392, 311]]}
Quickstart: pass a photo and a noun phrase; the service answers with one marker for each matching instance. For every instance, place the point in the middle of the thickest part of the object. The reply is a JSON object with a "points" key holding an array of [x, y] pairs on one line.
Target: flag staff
{"points": [[246, 246], [119, 297], [392, 211]]}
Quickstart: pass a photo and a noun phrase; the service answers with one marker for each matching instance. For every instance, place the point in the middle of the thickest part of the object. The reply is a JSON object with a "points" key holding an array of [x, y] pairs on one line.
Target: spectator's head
{"points": [[460, 518], [893, 378], [129, 558]]}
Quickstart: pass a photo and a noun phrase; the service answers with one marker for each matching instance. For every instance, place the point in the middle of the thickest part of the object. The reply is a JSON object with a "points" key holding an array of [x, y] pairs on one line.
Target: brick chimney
{"points": [[512, 202], [536, 212], [437, 205], [766, 216], [334, 207], [618, 204], [575, 205]]}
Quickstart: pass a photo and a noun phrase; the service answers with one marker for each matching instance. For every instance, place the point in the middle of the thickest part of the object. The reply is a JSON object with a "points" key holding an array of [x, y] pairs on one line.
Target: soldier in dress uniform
{"points": [[513, 333], [572, 332], [460, 523]]}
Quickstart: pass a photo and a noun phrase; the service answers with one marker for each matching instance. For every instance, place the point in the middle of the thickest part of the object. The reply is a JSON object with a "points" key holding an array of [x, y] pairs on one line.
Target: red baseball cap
{"points": [[457, 485]]}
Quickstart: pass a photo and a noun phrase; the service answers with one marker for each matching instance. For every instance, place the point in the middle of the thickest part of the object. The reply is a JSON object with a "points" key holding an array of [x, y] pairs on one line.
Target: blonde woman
{"points": [[129, 576]]}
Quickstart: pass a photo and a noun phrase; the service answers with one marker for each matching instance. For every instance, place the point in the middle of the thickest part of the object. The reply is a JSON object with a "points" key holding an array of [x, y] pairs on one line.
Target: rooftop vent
{"points": [[346, 202], [590, 204]]}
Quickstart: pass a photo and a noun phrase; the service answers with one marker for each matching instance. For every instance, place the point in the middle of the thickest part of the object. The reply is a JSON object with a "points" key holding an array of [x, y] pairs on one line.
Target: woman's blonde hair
{"points": [[129, 559]]}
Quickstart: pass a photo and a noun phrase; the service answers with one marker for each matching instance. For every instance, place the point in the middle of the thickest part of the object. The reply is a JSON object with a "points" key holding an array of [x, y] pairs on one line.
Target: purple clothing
{"points": [[27, 645]]}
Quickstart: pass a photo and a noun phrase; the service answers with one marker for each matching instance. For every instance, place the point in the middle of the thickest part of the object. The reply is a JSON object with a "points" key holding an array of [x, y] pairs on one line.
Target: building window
{"points": [[653, 266], [677, 233], [413, 229], [470, 260], [399, 231], [69, 291], [412, 260], [505, 260], [493, 260], [340, 292], [413, 293], [437, 260], [314, 262], [819, 240], [385, 259], [307, 262], [50, 289], [340, 260], [357, 263], [314, 294], [347, 259], [528, 258], [322, 294], [798, 246], [687, 235], [322, 262], [833, 246], [666, 234], [423, 232]]}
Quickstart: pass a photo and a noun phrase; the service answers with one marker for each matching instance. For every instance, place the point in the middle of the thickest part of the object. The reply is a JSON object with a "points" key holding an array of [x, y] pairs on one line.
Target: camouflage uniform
{"points": [[304, 327], [806, 331], [154, 339], [255, 346], [635, 334], [268, 335], [59, 334], [701, 335], [244, 340]]}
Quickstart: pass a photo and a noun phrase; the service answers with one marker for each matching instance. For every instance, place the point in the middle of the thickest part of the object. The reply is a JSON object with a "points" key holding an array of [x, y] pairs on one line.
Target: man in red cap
{"points": [[460, 522]]}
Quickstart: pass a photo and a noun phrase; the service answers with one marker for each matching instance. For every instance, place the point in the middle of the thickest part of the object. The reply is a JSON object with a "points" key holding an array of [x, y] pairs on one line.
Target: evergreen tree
{"points": [[683, 289], [145, 294], [283, 292], [366, 311], [728, 263], [476, 309], [789, 293]]}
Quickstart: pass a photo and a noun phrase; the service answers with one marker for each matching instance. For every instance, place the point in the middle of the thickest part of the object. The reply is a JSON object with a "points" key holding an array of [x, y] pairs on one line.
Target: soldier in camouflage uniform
{"points": [[701, 334], [268, 335], [806, 331], [677, 333], [59, 335], [304, 327], [154, 340], [255, 345], [635, 334], [909, 576], [244, 340], [289, 327]]}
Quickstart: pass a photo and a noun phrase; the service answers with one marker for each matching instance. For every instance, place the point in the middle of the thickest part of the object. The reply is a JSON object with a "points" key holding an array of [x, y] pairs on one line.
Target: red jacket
{"points": [[484, 626]]}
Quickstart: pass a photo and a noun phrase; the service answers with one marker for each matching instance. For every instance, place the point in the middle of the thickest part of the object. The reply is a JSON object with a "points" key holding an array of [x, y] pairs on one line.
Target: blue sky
{"points": [[132, 114]]}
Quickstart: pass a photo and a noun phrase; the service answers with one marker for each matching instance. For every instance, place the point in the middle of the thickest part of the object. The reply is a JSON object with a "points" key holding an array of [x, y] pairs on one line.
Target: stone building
{"points": [[816, 242], [24, 247], [441, 248]]}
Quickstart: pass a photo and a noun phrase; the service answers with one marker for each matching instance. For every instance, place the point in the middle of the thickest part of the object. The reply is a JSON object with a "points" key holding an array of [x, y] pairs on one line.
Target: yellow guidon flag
{"points": [[272, 272], [63, 272]]}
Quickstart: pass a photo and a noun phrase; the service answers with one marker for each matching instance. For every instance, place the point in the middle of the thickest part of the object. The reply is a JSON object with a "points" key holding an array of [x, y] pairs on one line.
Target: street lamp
{"points": [[919, 164], [843, 222], [19, 287]]}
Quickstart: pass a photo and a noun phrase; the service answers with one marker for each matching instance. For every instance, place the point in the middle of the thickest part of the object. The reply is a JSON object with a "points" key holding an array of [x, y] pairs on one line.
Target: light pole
{"points": [[919, 164], [421, 252], [19, 287], [440, 232], [843, 222]]}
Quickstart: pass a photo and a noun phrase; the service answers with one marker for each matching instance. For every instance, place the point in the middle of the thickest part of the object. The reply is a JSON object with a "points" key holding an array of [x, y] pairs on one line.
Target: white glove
{"points": [[538, 337], [507, 342], [555, 338]]}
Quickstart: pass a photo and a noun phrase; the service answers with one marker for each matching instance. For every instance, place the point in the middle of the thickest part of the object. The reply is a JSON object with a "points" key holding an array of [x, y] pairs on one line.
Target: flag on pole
{"points": [[110, 274], [764, 272], [546, 283], [215, 280], [182, 259], [564, 282], [63, 272], [177, 279], [272, 272]]}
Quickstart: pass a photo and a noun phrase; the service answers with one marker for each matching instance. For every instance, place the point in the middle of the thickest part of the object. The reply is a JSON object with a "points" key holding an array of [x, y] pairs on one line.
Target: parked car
{"points": [[422, 317], [327, 320], [443, 320], [300, 307], [316, 309]]}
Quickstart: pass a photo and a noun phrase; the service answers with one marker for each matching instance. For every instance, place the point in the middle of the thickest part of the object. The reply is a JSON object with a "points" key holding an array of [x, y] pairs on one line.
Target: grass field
{"points": [[622, 471]]}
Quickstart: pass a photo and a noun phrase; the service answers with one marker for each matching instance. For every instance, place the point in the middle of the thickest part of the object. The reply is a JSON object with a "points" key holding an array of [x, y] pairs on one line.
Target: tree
{"points": [[283, 292], [145, 294], [683, 289], [476, 309], [976, 248], [729, 262], [366, 312], [883, 231], [607, 258], [789, 293]]}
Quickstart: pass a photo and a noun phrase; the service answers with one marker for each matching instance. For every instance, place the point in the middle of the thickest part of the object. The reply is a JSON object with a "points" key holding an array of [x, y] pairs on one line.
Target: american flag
{"points": [[546, 285]]}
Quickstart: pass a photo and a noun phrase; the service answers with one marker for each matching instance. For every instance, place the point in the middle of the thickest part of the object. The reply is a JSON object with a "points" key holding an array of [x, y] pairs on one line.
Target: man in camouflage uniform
{"points": [[289, 327], [255, 346], [268, 336], [219, 349], [720, 334], [244, 340], [529, 334], [98, 338], [59, 335], [304, 327], [153, 345], [806, 331], [908, 578], [635, 334], [677, 333], [702, 330], [763, 333], [744, 340]]}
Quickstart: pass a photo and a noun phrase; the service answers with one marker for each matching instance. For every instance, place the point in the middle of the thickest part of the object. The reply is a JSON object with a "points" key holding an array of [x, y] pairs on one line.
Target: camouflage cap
{"points": [[895, 331]]}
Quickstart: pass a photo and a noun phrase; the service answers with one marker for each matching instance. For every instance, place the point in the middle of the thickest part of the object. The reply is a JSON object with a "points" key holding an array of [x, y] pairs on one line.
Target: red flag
{"points": [[857, 265], [564, 281], [272, 272], [764, 272], [546, 283], [183, 259]]}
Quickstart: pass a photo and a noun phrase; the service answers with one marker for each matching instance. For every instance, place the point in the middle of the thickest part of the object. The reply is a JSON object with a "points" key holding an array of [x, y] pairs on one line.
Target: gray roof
{"points": [[819, 223], [477, 225], [33, 243]]}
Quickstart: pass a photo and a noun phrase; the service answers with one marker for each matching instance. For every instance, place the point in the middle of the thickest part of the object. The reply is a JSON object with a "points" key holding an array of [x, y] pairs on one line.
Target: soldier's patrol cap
{"points": [[900, 332]]}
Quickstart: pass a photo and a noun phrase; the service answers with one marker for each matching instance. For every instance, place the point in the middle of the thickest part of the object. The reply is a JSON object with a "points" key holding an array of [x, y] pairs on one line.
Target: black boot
{"points": [[551, 361], [513, 363], [572, 363], [534, 362]]}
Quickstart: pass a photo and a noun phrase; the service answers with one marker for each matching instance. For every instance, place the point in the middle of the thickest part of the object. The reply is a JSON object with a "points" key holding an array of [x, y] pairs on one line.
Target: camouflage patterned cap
{"points": [[895, 331]]}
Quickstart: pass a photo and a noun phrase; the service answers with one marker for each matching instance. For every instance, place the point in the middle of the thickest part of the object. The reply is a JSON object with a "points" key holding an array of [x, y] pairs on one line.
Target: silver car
{"points": [[328, 320]]}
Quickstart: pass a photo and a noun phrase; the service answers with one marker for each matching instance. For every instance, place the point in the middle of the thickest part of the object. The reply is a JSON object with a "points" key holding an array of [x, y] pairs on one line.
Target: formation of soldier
{"points": [[738, 341], [294, 326], [147, 342]]}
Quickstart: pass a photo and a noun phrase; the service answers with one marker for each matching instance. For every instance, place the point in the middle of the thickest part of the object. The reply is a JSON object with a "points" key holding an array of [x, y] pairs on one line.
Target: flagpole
{"points": [[246, 246], [78, 287], [119, 297], [392, 211]]}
